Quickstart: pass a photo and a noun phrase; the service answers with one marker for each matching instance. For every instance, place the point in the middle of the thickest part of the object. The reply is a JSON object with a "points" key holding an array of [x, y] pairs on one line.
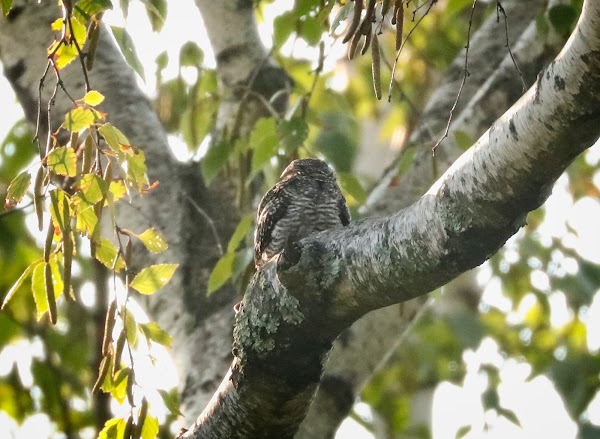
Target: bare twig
{"points": [[210, 222], [500, 10], [462, 84]]}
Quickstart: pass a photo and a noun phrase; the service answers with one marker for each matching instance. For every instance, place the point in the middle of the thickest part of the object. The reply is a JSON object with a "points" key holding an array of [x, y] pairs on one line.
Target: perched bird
{"points": [[306, 199]]}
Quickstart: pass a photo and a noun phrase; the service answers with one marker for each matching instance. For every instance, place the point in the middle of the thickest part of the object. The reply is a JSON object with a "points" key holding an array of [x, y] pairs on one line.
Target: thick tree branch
{"points": [[293, 311], [492, 87]]}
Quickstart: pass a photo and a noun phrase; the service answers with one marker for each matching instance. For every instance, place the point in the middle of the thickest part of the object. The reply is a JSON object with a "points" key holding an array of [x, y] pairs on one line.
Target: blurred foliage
{"points": [[326, 105]]}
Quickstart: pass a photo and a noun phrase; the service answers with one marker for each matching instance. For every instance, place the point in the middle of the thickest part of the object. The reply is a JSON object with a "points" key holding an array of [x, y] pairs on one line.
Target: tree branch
{"points": [[294, 308]]}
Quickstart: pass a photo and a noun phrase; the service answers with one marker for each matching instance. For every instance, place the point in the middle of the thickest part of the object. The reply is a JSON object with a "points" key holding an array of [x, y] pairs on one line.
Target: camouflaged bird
{"points": [[306, 199]]}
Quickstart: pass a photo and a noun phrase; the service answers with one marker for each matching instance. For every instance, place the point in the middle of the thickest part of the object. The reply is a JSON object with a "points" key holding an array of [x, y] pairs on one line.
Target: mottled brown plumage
{"points": [[306, 199]]}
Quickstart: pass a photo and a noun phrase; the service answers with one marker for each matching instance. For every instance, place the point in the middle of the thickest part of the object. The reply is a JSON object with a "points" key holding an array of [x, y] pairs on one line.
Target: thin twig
{"points": [[403, 95], [500, 9], [210, 222], [462, 84], [15, 210]]}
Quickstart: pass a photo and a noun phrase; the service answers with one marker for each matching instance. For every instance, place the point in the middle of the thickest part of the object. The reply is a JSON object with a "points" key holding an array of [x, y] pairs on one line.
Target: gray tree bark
{"points": [[201, 327]]}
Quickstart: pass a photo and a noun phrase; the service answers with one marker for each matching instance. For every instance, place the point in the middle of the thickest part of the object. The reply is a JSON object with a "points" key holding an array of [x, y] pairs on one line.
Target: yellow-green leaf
{"points": [[170, 399], [57, 267], [153, 241], [113, 429], [152, 278], [63, 161], [118, 388], [154, 332], [221, 273], [20, 281], [150, 428], [92, 189], [240, 232], [264, 142], [80, 118], [57, 199], [38, 287], [128, 49], [93, 98], [18, 188], [106, 253], [86, 222], [131, 328], [114, 137], [118, 189], [136, 170], [6, 6]]}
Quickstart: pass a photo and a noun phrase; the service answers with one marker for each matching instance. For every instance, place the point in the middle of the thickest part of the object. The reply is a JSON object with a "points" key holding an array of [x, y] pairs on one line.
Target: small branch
{"points": [[209, 221], [462, 84], [500, 10]]}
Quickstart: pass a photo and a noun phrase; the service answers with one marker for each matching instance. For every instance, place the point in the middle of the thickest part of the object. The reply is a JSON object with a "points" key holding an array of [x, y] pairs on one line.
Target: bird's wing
{"points": [[271, 209]]}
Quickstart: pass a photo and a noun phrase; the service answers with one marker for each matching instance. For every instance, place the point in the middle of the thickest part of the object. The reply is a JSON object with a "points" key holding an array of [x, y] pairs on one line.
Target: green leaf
{"points": [[113, 429], [38, 287], [342, 14], [154, 332], [463, 140], [292, 133], [510, 415], [152, 278], [150, 428], [455, 6], [463, 431], [57, 199], [264, 142], [86, 222], [198, 120], [106, 253], [131, 328], [114, 137], [157, 12], [241, 262], [117, 189], [563, 18], [19, 282], [84, 9], [91, 190], [136, 170], [57, 267], [93, 98], [63, 161], [311, 30], [352, 187], [79, 119], [214, 160], [128, 50], [6, 6], [18, 188], [190, 55], [221, 273], [283, 26], [240, 232], [153, 241], [118, 387], [171, 400]]}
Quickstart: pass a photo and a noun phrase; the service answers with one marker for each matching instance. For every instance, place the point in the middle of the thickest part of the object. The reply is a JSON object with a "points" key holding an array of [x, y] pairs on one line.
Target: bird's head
{"points": [[307, 167]]}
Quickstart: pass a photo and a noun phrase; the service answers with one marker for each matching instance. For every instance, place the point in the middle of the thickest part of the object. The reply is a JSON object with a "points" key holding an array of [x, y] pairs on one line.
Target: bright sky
{"points": [[535, 402]]}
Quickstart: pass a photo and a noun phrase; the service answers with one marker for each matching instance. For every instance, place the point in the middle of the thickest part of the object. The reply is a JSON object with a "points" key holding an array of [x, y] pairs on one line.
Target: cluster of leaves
{"points": [[85, 167]]}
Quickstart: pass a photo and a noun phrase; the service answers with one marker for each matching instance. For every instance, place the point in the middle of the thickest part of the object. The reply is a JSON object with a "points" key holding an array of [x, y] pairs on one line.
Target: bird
{"points": [[306, 199]]}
